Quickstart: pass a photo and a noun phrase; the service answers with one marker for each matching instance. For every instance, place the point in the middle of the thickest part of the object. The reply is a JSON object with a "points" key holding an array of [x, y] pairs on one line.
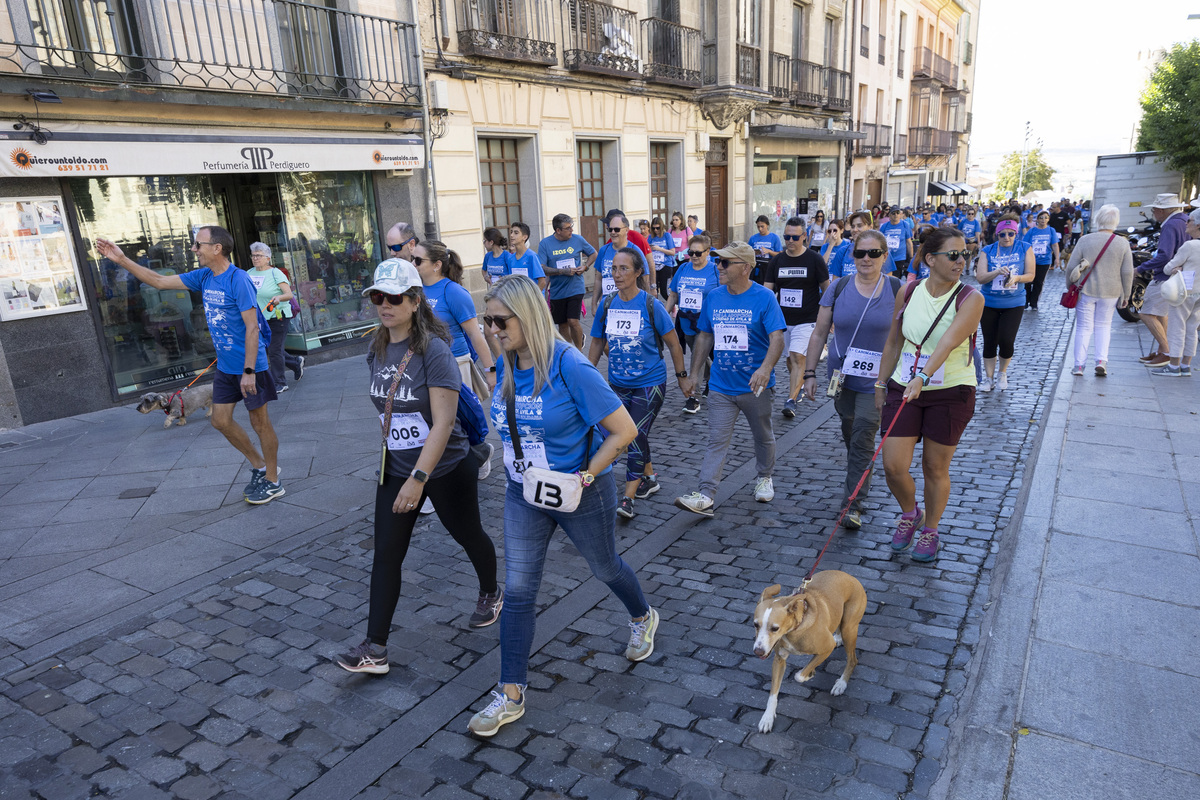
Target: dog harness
{"points": [[171, 399]]}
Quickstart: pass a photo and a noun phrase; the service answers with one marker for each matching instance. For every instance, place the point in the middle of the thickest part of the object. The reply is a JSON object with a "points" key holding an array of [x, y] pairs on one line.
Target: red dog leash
{"points": [[179, 392]]}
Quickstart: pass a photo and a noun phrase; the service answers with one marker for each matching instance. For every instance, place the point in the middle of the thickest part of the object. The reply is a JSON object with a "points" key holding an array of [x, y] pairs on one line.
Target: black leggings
{"points": [[455, 498], [1033, 289], [1000, 327], [663, 275]]}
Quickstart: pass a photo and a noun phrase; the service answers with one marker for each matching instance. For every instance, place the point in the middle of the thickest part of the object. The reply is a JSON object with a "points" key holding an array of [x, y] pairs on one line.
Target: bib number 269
{"points": [[548, 495]]}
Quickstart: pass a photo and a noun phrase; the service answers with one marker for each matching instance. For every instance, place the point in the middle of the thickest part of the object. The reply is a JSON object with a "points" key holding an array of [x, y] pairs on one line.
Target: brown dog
{"points": [[179, 405], [814, 621]]}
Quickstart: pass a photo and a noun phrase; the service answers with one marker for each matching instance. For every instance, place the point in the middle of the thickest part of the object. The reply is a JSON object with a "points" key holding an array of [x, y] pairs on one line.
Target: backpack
{"points": [[471, 416], [649, 313]]}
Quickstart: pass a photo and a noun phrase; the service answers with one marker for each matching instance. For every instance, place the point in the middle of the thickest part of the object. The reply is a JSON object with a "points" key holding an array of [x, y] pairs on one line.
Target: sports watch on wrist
{"points": [[420, 476], [681, 374], [924, 378], [586, 478], [248, 371]]}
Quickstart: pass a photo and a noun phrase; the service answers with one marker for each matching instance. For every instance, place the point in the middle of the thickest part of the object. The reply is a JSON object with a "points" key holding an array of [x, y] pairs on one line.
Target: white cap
{"points": [[394, 276]]}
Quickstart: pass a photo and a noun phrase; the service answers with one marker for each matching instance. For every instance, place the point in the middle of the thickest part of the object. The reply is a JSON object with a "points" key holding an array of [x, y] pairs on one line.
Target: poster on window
{"points": [[38, 272]]}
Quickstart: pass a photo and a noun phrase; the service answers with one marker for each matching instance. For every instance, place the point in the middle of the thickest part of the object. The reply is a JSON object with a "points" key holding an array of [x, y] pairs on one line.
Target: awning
{"points": [[101, 151], [966, 188], [939, 188]]}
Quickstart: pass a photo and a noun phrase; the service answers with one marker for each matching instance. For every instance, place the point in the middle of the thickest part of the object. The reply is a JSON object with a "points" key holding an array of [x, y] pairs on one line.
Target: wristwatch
{"points": [[420, 476], [681, 374], [248, 371], [492, 368], [586, 478], [924, 378]]}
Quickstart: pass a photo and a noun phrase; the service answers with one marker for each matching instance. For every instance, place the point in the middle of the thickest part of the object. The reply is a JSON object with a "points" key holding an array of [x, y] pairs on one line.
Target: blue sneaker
{"points": [[256, 475], [265, 492]]}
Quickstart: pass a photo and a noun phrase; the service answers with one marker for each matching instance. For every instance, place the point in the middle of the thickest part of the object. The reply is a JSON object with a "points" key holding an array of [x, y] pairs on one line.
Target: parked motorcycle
{"points": [[1144, 244]]}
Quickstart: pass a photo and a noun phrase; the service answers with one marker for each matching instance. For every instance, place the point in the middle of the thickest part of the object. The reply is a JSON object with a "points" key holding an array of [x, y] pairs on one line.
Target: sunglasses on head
{"points": [[953, 255], [500, 322], [396, 248], [874, 252], [791, 238], [696, 253], [377, 297]]}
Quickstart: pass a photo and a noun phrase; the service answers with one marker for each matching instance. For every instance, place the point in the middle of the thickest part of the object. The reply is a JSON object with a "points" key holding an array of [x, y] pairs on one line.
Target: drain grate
{"points": [[131, 494]]}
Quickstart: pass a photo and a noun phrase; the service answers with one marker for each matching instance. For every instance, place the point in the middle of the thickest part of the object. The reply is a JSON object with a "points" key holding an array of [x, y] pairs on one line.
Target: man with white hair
{"points": [[1168, 212]]}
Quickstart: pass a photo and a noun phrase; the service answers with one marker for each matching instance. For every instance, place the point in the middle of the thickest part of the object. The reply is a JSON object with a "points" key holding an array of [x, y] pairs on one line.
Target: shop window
{"points": [[790, 186], [499, 182]]}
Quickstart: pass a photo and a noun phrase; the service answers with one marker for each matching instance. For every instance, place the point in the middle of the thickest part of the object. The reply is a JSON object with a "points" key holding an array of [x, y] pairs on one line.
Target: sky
{"points": [[1071, 69]]}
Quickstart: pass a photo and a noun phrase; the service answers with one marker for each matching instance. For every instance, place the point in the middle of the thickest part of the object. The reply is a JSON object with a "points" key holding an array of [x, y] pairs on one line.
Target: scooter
{"points": [[1144, 244]]}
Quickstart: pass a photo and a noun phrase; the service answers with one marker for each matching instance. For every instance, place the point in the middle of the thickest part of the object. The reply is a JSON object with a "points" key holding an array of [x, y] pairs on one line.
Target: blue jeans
{"points": [[527, 529]]}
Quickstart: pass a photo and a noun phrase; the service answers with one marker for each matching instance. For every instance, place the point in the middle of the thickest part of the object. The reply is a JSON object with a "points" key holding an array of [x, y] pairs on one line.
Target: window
{"points": [[94, 37], [590, 166], [831, 48], [798, 30], [499, 184], [749, 19], [658, 180]]}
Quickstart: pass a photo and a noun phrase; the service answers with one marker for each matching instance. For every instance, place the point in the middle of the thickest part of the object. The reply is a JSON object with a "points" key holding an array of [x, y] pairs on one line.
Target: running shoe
{"points": [[282, 389], [256, 475], [366, 657], [501, 711], [299, 370], [764, 490], [789, 408], [697, 503], [1078, 371], [927, 545], [853, 520], [1167, 371], [1101, 371], [647, 486], [641, 636], [427, 506], [265, 492], [691, 406], [625, 508], [487, 608], [1002, 381], [485, 454], [905, 529], [985, 385], [1185, 371]]}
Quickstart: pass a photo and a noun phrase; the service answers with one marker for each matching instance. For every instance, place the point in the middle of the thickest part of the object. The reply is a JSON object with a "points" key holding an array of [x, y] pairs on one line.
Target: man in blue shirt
{"points": [[234, 322], [618, 229], [742, 325], [971, 228], [694, 223], [565, 258], [767, 245]]}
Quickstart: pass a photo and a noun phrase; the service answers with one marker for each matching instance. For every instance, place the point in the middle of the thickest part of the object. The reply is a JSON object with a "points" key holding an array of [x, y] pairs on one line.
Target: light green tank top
{"points": [[918, 316]]}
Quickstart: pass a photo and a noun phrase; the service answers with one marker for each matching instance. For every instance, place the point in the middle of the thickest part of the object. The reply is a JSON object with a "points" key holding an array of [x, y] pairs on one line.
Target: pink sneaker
{"points": [[927, 545], [902, 538]]}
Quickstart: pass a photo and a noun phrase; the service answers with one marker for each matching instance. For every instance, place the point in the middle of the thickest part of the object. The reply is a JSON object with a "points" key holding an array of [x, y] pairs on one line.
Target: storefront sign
{"points": [[38, 272], [83, 151]]}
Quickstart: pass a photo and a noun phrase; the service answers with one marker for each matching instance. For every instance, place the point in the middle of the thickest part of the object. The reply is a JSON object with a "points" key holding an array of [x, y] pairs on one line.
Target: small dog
{"points": [[178, 406], [814, 621]]}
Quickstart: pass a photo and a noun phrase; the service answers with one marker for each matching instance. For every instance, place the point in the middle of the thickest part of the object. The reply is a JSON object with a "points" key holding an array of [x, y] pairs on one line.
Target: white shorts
{"points": [[1153, 303], [798, 336]]}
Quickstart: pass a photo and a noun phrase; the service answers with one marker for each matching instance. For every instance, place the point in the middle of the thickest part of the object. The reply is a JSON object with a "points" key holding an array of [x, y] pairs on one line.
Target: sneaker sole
{"points": [[787, 412], [920, 520], [278, 472], [500, 724], [764, 498], [624, 514], [705, 513], [653, 631], [928, 558], [491, 621], [691, 410], [653, 490], [268, 498], [375, 669]]}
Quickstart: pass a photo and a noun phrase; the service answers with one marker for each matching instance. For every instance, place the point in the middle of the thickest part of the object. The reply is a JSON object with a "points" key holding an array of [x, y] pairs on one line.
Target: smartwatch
{"points": [[248, 371], [492, 368], [420, 476], [681, 374], [924, 378], [586, 478]]}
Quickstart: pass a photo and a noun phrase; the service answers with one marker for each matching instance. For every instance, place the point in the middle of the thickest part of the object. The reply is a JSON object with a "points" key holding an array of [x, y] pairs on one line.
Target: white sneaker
{"points": [[985, 385], [486, 468], [428, 507], [1002, 381], [764, 490], [697, 503]]}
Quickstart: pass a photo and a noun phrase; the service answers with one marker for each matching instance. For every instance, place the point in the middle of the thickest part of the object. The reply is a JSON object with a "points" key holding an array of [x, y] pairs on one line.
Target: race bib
{"points": [[257, 280], [565, 263], [1189, 278], [731, 337], [691, 299], [522, 271], [409, 431], [1000, 283], [608, 286], [535, 456], [1040, 248], [893, 240], [659, 258], [936, 379], [861, 363], [624, 322], [791, 298]]}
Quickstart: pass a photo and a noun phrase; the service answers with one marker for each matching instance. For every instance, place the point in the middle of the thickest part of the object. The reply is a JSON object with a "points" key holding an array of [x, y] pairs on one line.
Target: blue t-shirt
{"points": [[553, 426], [918, 268], [663, 259], [453, 305], [555, 253], [970, 228], [634, 361], [527, 265], [897, 238], [1013, 258], [497, 265], [1041, 240], [741, 325], [604, 267], [762, 242], [225, 297], [842, 262], [693, 285]]}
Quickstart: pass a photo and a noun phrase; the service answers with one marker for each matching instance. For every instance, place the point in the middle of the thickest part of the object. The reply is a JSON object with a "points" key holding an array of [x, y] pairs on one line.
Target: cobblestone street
{"points": [[178, 643]]}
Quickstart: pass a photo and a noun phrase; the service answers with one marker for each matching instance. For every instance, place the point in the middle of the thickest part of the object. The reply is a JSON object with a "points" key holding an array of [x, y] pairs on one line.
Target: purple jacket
{"points": [[1174, 234]]}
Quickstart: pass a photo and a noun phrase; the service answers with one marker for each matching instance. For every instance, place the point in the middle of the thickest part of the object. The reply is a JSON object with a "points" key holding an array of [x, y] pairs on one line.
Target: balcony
{"points": [[927, 64], [274, 47], [708, 64], [780, 77], [600, 39], [798, 82], [931, 142], [511, 30], [900, 151], [878, 141], [749, 65], [881, 51], [837, 88], [670, 53]]}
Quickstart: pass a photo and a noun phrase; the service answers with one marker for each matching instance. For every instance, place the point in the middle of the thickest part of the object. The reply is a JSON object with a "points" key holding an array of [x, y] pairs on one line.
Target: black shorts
{"points": [[228, 389], [940, 415], [566, 308]]}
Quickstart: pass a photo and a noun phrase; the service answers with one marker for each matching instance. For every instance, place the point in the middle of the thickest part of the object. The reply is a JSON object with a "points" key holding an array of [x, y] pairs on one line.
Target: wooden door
{"points": [[716, 205], [590, 172]]}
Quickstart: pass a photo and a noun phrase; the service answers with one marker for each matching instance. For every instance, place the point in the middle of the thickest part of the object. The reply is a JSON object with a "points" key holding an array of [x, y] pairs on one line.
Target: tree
{"points": [[1169, 106], [1037, 173]]}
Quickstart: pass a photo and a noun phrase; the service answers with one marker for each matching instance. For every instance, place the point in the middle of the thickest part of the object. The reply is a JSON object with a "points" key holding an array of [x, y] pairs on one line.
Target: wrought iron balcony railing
{"points": [[881, 51], [779, 77], [838, 89], [600, 38], [928, 64], [671, 53], [513, 30], [256, 46], [708, 64], [797, 81], [900, 63], [864, 41], [900, 151], [749, 65], [931, 142]]}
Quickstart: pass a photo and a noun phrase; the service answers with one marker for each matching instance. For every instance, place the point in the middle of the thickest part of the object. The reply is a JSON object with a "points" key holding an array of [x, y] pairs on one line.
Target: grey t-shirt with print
{"points": [[437, 367]]}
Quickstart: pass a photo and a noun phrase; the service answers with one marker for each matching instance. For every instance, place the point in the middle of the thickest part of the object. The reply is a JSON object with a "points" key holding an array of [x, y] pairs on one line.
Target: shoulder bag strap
{"points": [[945, 307], [387, 407], [511, 411], [650, 315], [1098, 257]]}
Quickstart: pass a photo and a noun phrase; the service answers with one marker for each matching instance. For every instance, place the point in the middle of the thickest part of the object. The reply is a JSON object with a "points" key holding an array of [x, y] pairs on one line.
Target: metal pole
{"points": [[431, 219]]}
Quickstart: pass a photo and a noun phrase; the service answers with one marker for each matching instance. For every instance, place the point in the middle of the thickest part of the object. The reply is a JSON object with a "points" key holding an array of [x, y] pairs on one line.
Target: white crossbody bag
{"points": [[546, 488]]}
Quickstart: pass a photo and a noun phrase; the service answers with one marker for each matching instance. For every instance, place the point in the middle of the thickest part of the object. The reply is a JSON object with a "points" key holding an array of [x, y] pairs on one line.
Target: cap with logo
{"points": [[394, 276]]}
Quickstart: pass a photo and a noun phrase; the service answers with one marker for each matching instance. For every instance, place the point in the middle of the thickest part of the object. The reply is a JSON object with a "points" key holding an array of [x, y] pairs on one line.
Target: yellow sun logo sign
{"points": [[20, 157]]}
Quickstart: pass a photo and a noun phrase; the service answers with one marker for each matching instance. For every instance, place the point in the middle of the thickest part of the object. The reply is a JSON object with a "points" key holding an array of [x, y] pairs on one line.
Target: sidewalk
{"points": [[1089, 684]]}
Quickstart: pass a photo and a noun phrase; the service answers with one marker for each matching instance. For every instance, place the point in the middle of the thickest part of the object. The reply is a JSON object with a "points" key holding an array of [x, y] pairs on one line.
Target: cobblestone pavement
{"points": [[222, 685]]}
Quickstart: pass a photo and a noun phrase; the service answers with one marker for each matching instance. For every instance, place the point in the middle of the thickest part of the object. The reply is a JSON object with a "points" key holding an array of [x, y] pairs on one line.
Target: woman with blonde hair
{"points": [[554, 399]]}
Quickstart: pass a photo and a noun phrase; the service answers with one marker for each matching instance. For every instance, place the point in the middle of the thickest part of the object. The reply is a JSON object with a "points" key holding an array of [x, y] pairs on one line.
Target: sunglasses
{"points": [[396, 248], [874, 252], [1005, 234], [498, 322], [656, 227], [697, 253], [615, 230], [787, 238], [377, 297], [419, 260], [953, 255], [833, 230], [726, 263]]}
